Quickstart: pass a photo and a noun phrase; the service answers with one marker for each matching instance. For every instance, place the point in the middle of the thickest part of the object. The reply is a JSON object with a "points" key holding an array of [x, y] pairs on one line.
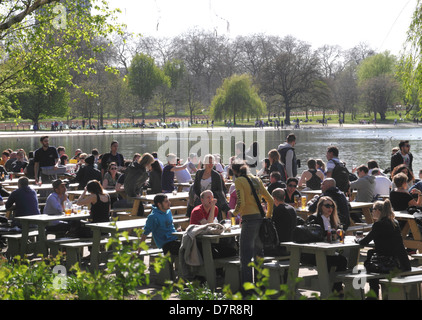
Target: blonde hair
{"points": [[386, 210], [273, 155]]}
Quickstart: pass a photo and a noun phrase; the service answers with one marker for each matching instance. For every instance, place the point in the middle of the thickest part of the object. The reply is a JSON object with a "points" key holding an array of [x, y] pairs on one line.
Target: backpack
{"points": [[341, 175]]}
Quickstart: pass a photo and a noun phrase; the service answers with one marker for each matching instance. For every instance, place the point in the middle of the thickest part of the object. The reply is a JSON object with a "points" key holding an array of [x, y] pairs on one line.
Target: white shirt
{"points": [[382, 185]]}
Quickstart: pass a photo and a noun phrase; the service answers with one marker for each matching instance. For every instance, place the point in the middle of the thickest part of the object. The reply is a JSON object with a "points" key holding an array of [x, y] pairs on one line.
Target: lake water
{"points": [[356, 146]]}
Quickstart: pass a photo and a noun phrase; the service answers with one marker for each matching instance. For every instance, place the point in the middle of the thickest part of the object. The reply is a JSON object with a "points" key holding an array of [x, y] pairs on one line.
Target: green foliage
{"points": [[237, 97]]}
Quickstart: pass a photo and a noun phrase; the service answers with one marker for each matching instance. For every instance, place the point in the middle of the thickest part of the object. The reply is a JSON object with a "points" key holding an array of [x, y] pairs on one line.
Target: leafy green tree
{"points": [[47, 36], [237, 97], [144, 78], [377, 83]]}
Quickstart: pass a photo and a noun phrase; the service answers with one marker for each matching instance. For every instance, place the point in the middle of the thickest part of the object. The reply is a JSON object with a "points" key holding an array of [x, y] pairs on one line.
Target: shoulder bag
{"points": [[267, 233]]}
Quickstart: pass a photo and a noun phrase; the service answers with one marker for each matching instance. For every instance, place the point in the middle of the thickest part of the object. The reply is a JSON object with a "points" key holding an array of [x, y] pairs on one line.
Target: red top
{"points": [[198, 213]]}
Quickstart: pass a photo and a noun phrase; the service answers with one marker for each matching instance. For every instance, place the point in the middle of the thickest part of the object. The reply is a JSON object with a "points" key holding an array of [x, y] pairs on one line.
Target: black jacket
{"points": [[85, 174], [343, 206], [397, 159], [388, 241]]}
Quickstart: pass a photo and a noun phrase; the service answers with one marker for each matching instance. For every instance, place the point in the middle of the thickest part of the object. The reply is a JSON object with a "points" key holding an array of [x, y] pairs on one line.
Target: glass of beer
{"points": [[303, 202]]}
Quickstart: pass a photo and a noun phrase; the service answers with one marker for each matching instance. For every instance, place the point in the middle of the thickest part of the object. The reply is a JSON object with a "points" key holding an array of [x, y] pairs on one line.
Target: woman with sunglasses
{"points": [[387, 237], [327, 217], [111, 176]]}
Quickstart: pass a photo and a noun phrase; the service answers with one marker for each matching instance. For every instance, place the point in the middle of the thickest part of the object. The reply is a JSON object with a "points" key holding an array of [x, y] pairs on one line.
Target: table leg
{"points": [[42, 240], [136, 204], [293, 270], [367, 214], [24, 239], [95, 250], [323, 274], [209, 266]]}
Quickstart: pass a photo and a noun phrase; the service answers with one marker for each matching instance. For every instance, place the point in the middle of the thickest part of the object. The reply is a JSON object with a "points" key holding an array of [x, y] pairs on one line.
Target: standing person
{"points": [[365, 185], [402, 156], [337, 170], [112, 156], [276, 165], [387, 238], [246, 205], [160, 224], [45, 158], [312, 177], [25, 199], [288, 155], [136, 175], [285, 220]]}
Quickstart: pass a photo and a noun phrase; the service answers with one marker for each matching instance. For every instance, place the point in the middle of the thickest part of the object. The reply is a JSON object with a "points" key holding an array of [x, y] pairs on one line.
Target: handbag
{"points": [[380, 264], [267, 232], [308, 233]]}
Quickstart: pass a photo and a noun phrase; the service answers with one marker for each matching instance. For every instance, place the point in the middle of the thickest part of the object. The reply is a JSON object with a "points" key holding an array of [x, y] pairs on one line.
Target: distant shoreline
{"points": [[148, 131]]}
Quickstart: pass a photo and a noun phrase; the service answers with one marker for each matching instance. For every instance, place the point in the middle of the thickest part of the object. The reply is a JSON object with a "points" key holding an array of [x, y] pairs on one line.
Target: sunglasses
{"points": [[407, 145], [328, 206], [292, 185], [113, 168]]}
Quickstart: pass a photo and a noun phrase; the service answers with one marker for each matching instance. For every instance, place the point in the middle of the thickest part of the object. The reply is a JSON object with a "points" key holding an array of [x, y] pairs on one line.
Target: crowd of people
{"points": [[275, 180]]}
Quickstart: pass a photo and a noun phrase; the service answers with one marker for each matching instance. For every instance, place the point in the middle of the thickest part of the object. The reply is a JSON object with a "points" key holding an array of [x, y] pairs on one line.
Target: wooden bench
{"points": [[402, 288], [14, 243], [73, 249], [355, 282], [231, 266]]}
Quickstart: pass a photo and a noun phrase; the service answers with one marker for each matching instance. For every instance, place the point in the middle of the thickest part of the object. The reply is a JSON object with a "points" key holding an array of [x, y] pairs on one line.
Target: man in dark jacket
{"points": [[87, 173], [402, 156], [328, 188]]}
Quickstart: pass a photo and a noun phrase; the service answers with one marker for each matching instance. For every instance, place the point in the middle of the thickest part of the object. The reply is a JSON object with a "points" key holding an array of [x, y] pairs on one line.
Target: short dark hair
{"points": [[23, 182], [363, 168], [372, 164], [279, 194], [402, 143], [291, 137], [43, 137], [276, 175], [311, 164], [159, 198], [94, 186], [292, 179], [333, 150], [113, 142]]}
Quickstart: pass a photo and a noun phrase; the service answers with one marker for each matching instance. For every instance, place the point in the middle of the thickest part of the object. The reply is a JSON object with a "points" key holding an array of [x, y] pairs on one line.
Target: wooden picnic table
{"points": [[150, 199], [44, 186], [365, 206], [73, 194], [208, 268], [42, 221], [321, 250], [410, 226], [113, 227]]}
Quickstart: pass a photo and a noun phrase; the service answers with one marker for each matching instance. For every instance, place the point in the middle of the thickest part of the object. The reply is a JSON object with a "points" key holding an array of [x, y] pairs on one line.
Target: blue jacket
{"points": [[160, 224]]}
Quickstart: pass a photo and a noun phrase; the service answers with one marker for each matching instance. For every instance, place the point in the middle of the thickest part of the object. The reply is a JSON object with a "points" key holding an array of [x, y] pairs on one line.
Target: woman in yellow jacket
{"points": [[246, 205]]}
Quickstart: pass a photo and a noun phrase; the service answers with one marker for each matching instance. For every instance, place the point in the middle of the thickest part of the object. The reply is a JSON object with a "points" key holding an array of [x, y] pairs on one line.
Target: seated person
{"points": [[291, 190], [205, 213], [25, 199], [312, 177], [400, 197], [329, 188], [55, 206], [285, 220], [275, 182], [160, 224]]}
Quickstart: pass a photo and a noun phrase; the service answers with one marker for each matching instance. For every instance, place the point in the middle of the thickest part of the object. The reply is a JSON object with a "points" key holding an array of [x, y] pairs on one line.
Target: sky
{"points": [[382, 24]]}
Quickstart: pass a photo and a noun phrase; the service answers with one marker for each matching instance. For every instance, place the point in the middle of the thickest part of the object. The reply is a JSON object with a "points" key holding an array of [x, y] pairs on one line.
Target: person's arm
{"points": [[178, 168], [418, 202], [303, 178], [288, 164], [85, 199], [36, 168]]}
